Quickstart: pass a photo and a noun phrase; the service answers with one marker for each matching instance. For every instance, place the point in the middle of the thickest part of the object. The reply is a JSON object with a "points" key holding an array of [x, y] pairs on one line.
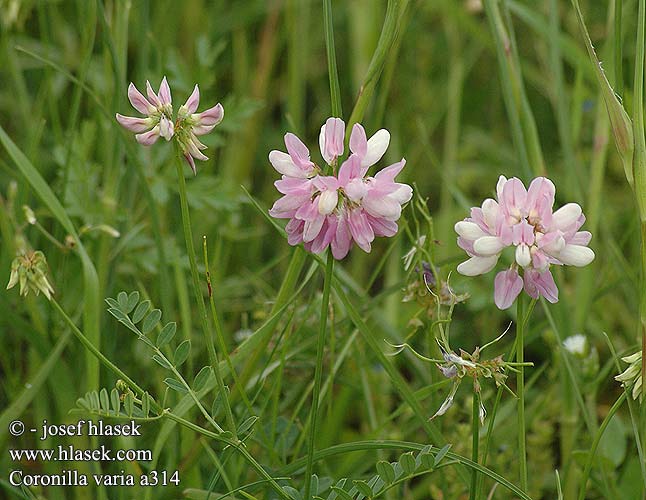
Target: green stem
{"points": [[320, 345], [394, 13], [520, 390], [619, 70], [475, 431], [212, 352], [595, 444], [335, 96], [642, 329], [99, 355], [190, 249]]}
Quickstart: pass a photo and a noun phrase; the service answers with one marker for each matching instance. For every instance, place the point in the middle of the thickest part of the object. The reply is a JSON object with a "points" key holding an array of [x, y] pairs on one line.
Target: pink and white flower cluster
{"points": [[158, 108], [335, 210], [523, 219]]}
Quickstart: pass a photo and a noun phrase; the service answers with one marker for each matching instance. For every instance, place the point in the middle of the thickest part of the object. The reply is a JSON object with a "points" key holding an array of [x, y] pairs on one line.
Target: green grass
{"points": [[299, 356]]}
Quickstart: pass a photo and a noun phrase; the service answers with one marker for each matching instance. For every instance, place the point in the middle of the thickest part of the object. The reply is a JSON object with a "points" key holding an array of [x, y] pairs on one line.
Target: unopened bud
{"points": [[29, 215]]}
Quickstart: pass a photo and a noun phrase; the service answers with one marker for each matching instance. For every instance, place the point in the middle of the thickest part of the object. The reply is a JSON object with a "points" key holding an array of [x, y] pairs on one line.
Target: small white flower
{"points": [[576, 344]]}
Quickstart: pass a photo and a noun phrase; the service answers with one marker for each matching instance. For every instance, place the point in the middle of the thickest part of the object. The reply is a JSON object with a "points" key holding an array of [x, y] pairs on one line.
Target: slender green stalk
{"points": [[597, 439], [212, 352], [619, 67], [639, 169], [520, 390], [335, 92], [394, 13], [475, 439], [335, 96], [320, 346], [190, 248]]}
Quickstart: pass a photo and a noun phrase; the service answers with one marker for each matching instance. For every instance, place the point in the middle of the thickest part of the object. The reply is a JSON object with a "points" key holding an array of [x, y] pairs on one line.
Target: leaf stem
{"points": [[99, 355]]}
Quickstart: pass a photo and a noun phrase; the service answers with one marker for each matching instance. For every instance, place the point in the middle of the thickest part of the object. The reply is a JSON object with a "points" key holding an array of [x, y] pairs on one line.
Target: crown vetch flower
{"points": [[335, 210], [523, 219], [191, 124], [158, 109], [30, 271], [159, 121]]}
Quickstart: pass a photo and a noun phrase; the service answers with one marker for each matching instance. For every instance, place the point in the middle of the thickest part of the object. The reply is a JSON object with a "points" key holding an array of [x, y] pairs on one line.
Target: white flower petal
{"points": [[284, 164], [326, 157], [327, 201], [566, 215], [469, 230], [488, 245], [403, 194], [490, 210], [377, 146], [477, 265], [523, 255], [576, 255]]}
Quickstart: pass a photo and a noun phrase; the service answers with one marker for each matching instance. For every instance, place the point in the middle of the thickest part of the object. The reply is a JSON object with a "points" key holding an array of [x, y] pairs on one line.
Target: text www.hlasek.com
{"points": [[71, 454]]}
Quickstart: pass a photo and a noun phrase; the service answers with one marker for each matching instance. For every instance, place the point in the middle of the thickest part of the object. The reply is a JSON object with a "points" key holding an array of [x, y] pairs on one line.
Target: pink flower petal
{"points": [[361, 231], [383, 227], [138, 101], [331, 139], [507, 285], [211, 116], [298, 151], [136, 125], [164, 92], [388, 174], [349, 169], [191, 163], [514, 196], [193, 101], [358, 141], [342, 238], [541, 283], [152, 97], [294, 229], [148, 138]]}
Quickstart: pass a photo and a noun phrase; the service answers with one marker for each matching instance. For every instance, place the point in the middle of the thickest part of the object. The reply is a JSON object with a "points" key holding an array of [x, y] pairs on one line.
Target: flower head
{"points": [[523, 219], [159, 121], [335, 210], [30, 270], [191, 124], [158, 109], [632, 376]]}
